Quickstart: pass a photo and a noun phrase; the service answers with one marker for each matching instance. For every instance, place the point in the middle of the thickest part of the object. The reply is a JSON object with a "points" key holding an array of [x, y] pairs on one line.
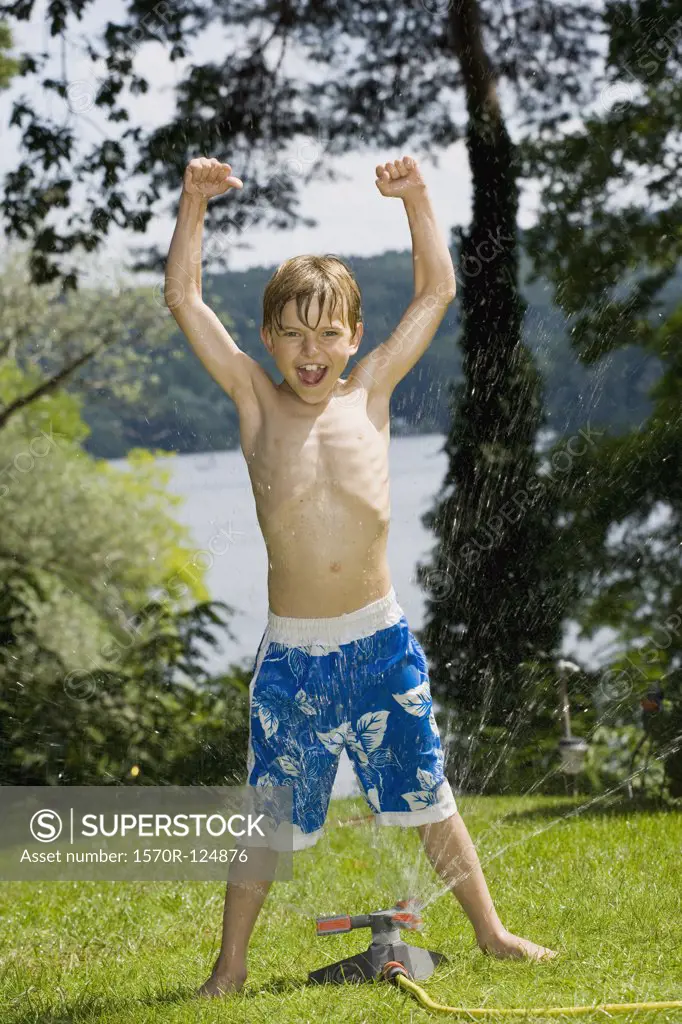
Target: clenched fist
{"points": [[209, 178], [400, 179]]}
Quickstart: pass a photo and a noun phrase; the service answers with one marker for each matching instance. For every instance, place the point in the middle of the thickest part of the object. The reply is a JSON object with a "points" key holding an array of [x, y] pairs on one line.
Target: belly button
{"points": [[335, 567]]}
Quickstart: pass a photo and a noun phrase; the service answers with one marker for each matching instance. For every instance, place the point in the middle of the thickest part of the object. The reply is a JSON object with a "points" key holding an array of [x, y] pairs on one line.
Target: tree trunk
{"points": [[489, 610]]}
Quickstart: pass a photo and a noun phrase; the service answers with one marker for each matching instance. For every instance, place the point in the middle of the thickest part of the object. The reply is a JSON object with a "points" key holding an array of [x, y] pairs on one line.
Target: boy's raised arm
{"points": [[224, 360], [434, 282]]}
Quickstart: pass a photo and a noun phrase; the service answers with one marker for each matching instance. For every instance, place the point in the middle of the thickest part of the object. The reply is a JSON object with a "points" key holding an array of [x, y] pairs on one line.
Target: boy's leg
{"points": [[393, 715], [243, 902], [294, 683], [451, 851]]}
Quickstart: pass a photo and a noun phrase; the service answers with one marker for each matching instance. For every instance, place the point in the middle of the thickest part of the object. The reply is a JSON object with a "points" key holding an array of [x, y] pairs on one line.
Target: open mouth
{"points": [[311, 374]]}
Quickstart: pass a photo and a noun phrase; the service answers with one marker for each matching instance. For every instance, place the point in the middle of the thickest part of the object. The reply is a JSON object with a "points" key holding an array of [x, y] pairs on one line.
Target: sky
{"points": [[353, 218]]}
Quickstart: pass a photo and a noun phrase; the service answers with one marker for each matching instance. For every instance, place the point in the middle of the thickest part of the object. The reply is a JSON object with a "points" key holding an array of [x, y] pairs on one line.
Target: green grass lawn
{"points": [[603, 887]]}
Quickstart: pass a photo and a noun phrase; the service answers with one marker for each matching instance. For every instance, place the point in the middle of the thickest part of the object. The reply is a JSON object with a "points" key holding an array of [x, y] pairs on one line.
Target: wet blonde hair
{"points": [[303, 278]]}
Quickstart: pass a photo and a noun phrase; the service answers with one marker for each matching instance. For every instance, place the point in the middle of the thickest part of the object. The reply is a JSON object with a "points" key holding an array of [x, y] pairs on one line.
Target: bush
{"points": [[158, 718]]}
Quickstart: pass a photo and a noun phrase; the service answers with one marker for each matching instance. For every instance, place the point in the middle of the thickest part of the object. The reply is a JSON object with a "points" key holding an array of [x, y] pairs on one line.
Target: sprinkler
{"points": [[386, 946], [394, 961]]}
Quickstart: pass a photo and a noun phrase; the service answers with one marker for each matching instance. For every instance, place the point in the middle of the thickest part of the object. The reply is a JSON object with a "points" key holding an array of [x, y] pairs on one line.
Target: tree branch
{"points": [[48, 386]]}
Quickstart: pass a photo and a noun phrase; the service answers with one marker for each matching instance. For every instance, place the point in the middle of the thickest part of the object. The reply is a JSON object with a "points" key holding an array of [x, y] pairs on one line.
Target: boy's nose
{"points": [[310, 346]]}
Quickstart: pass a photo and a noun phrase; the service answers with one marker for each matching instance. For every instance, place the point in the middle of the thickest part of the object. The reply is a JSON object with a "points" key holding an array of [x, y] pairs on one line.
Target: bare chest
{"points": [[319, 465]]}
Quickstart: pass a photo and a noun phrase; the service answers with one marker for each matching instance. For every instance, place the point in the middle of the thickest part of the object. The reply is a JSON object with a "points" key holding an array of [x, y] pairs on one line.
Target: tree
{"points": [[103, 616], [102, 604], [399, 84], [493, 607], [610, 250]]}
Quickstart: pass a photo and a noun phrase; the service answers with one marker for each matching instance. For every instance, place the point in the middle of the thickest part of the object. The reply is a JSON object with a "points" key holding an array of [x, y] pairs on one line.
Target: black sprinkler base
{"points": [[419, 963]]}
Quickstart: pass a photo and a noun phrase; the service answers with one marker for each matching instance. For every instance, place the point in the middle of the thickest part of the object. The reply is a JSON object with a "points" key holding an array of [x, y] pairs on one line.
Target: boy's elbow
{"points": [[176, 295], [173, 292], [449, 289], [440, 292]]}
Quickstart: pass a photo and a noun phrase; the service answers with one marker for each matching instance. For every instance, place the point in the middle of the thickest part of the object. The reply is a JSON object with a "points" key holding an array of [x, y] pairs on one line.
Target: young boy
{"points": [[337, 665]]}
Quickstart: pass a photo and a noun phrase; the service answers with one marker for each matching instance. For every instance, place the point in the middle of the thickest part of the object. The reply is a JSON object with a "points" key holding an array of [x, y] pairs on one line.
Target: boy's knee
{"points": [[444, 823]]}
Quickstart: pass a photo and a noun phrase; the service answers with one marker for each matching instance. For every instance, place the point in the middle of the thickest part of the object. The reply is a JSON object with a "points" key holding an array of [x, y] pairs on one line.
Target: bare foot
{"points": [[505, 946], [223, 982]]}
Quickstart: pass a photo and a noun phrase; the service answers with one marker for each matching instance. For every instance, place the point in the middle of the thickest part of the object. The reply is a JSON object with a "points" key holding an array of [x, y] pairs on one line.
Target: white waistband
{"points": [[340, 629]]}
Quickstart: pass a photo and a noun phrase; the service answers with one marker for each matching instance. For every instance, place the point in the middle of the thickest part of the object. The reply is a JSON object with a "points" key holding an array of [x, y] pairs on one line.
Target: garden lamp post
{"points": [[572, 748]]}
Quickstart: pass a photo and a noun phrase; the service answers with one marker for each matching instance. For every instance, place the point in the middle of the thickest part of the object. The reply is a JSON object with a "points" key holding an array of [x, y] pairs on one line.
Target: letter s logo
{"points": [[46, 826]]}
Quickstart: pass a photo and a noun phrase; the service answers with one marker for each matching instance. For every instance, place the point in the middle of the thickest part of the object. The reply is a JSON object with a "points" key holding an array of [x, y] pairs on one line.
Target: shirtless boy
{"points": [[337, 647]]}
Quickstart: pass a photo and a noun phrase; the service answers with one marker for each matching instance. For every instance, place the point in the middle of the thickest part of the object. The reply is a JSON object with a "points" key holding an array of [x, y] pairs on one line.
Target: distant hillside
{"points": [[188, 412]]}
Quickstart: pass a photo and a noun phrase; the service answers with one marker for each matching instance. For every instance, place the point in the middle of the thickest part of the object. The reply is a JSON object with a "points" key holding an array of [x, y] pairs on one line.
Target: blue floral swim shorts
{"points": [[357, 681]]}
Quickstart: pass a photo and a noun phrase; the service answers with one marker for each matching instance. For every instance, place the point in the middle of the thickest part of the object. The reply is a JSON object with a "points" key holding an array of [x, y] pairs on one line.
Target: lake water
{"points": [[219, 509]]}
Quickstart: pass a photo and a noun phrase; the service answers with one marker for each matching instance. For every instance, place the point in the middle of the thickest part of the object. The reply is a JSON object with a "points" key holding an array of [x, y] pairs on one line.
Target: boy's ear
{"points": [[357, 338], [266, 338]]}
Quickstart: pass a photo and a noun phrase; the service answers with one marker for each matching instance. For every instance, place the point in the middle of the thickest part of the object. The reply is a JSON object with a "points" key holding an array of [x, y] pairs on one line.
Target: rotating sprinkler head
{"points": [[386, 951]]}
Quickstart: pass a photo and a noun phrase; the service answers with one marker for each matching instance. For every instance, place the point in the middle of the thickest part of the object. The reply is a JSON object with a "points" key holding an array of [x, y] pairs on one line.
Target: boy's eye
{"points": [[289, 334]]}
